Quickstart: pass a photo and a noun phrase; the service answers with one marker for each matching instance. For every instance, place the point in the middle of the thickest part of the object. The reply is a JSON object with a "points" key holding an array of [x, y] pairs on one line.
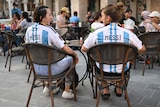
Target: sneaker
{"points": [[68, 95], [46, 90], [56, 90]]}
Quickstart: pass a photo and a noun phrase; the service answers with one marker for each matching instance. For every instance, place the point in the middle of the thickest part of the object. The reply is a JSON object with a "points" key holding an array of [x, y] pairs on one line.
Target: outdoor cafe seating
{"points": [[12, 50], [151, 40], [111, 53], [47, 55]]}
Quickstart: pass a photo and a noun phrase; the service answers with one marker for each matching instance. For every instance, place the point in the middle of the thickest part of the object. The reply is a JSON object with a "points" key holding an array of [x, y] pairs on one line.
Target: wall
{"points": [[155, 5], [81, 7], [58, 5]]}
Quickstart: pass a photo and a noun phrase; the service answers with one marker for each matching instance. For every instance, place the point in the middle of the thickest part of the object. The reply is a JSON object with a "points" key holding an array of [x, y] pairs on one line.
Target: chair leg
{"points": [[74, 86], [91, 78], [22, 58], [134, 63], [98, 97], [144, 68], [127, 98], [159, 61], [29, 97], [51, 94], [152, 60], [29, 75], [74, 91], [10, 63], [6, 61]]}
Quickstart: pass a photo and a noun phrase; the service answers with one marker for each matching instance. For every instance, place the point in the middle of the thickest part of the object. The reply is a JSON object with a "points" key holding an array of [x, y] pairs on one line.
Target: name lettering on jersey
{"points": [[35, 37], [112, 37]]}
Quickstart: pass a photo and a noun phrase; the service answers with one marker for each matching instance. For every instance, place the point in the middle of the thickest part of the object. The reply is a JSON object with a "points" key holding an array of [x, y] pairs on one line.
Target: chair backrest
{"points": [[23, 30], [85, 32], [150, 39], [10, 39], [112, 53], [43, 54]]}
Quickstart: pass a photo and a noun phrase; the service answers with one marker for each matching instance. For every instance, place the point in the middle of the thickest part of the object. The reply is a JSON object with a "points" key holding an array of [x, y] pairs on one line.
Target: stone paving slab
{"points": [[144, 91]]}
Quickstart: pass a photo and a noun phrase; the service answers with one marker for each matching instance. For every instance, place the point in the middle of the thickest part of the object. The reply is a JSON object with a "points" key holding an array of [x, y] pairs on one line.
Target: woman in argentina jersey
{"points": [[111, 15], [42, 33]]}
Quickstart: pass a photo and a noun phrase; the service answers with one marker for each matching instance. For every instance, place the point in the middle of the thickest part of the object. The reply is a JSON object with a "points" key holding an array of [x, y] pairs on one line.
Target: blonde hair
{"points": [[121, 6]]}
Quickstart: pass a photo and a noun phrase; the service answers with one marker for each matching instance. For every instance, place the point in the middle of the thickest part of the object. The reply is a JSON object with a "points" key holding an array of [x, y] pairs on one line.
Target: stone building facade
{"points": [[82, 6]]}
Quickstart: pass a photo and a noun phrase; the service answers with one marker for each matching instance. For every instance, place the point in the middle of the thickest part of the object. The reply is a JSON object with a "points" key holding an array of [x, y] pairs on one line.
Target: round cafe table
{"points": [[76, 45]]}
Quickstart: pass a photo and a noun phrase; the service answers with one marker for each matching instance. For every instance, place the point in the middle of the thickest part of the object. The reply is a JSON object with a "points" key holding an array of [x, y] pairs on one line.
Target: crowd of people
{"points": [[105, 20], [112, 18]]}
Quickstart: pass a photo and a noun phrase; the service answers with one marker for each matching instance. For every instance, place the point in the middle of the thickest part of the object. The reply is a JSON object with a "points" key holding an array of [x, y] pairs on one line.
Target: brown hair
{"points": [[39, 13], [113, 11]]}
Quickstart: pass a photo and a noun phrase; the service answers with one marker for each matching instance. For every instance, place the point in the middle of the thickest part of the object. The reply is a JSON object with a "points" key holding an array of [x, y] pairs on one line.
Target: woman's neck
{"points": [[44, 24]]}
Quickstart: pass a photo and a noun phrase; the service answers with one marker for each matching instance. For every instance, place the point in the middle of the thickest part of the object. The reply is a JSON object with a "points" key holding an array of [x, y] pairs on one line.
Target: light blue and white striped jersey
{"points": [[112, 33], [43, 34]]}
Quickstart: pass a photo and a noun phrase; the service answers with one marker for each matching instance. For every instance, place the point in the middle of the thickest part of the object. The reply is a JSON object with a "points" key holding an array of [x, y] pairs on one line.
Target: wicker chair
{"points": [[151, 40], [111, 53], [47, 55], [12, 50]]}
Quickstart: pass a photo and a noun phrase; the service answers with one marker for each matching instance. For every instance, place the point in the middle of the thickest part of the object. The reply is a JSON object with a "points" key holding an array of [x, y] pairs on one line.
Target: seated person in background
{"points": [[97, 21], [147, 25], [111, 16], [25, 22], [133, 18], [128, 22], [74, 19], [155, 20], [61, 19], [61, 23], [15, 21], [42, 29], [89, 18]]}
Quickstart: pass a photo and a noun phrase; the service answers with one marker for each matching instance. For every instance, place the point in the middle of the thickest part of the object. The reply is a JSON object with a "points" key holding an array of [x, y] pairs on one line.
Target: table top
{"points": [[73, 43], [3, 31]]}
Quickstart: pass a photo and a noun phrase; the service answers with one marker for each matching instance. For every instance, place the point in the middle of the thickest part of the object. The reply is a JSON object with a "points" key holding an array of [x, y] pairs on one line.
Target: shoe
{"points": [[117, 94], [68, 95], [105, 96], [56, 90], [46, 90]]}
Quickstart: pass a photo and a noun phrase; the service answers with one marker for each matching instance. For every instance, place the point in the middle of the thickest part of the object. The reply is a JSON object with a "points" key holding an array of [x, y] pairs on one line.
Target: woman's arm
{"points": [[70, 51]]}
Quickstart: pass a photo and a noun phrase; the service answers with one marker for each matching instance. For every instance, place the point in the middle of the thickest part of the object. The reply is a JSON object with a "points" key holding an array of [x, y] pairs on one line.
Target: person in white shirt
{"points": [[61, 22], [155, 20], [25, 21], [128, 22], [147, 25], [111, 16], [97, 22], [42, 33]]}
